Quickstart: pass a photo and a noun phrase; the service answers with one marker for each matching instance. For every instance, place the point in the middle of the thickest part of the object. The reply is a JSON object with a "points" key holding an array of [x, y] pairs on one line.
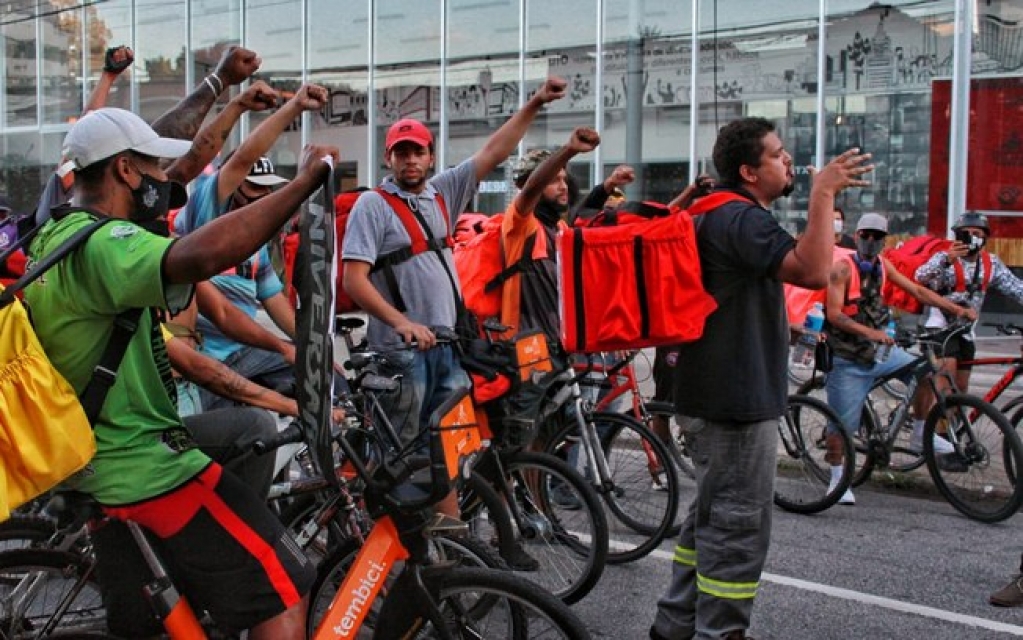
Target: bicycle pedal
{"points": [[445, 525]]}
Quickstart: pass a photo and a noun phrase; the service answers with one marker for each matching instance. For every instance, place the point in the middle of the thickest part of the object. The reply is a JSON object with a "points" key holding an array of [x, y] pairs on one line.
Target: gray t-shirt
{"points": [[374, 230]]}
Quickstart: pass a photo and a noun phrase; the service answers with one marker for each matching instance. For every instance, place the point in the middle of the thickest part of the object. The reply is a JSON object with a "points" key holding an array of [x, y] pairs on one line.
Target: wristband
{"points": [[220, 84]]}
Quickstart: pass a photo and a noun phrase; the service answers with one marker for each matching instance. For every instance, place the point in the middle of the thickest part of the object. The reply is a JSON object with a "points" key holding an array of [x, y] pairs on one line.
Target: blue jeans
{"points": [[849, 384], [428, 379]]}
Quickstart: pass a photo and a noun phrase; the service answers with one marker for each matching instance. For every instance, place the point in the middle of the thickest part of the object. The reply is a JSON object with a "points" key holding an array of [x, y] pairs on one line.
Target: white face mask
{"points": [[838, 225]]}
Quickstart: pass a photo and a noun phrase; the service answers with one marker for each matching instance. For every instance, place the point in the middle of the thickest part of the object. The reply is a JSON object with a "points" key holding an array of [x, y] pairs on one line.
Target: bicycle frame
{"points": [[621, 377]]}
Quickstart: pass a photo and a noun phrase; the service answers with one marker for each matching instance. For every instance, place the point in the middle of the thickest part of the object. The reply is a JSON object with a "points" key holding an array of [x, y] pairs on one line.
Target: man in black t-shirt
{"points": [[736, 387]]}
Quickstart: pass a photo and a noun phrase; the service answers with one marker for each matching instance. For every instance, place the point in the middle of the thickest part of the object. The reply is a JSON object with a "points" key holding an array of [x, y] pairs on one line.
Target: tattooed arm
{"points": [[211, 138], [217, 377], [185, 118]]}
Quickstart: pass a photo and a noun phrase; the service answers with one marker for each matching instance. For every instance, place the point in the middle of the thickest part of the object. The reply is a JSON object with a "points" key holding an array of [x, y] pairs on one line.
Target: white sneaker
{"points": [[847, 497], [941, 445]]}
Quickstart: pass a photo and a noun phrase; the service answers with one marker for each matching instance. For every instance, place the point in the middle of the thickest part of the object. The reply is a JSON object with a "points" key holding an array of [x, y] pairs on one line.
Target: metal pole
{"points": [[960, 121], [822, 115], [694, 92]]}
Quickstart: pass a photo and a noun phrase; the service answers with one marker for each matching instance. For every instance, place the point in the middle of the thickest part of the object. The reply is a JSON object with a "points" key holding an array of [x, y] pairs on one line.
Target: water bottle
{"points": [[884, 350], [807, 344]]}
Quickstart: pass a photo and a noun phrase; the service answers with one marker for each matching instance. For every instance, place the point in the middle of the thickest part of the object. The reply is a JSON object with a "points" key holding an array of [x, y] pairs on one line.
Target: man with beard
{"points": [[246, 176], [857, 317], [530, 227], [732, 387], [406, 295]]}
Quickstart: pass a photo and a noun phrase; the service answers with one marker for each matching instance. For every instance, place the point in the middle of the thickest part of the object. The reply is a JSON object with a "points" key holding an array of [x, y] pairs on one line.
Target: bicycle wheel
{"points": [[61, 582], [975, 478], [331, 574], [560, 522], [21, 531], [807, 431], [678, 453], [486, 513], [641, 507], [868, 440], [482, 603]]}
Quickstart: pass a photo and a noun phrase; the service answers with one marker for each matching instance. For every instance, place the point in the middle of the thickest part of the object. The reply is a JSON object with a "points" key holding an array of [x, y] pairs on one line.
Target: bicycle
{"points": [[429, 596], [978, 479], [617, 454], [508, 500]]}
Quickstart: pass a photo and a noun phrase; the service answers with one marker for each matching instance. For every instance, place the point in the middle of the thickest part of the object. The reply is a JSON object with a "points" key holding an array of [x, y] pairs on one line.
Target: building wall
{"points": [[465, 65]]}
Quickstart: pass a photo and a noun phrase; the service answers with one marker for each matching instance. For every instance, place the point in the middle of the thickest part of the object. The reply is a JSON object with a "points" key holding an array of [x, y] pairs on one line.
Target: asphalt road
{"points": [[896, 565]]}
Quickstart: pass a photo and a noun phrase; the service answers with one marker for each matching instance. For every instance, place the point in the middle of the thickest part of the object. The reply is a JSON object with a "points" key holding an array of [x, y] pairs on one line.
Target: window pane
{"points": [[160, 57], [339, 61], [274, 31], [559, 43], [109, 25], [406, 32], [646, 118], [483, 85], [19, 35], [62, 63]]}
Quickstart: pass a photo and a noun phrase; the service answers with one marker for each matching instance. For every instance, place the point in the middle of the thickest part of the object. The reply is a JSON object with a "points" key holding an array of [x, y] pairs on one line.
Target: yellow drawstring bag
{"points": [[45, 435]]}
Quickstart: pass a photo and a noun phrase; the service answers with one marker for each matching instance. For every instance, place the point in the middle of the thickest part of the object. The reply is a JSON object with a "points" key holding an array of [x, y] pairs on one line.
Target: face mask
{"points": [[838, 226], [869, 248], [154, 198], [787, 191]]}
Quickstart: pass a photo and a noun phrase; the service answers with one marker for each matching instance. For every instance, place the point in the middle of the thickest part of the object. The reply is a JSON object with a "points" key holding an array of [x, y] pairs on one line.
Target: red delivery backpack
{"points": [[910, 255], [343, 204], [631, 277]]}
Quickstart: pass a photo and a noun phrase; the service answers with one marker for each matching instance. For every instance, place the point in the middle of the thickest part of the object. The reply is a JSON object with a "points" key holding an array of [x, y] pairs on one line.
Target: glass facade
{"points": [[880, 77]]}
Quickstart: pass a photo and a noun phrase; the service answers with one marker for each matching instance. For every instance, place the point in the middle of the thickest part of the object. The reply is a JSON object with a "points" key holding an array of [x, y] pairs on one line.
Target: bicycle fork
{"points": [[170, 607], [596, 463]]}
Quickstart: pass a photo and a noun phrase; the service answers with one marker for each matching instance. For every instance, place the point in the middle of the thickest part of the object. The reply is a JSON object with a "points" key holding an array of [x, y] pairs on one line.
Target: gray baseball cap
{"points": [[872, 222]]}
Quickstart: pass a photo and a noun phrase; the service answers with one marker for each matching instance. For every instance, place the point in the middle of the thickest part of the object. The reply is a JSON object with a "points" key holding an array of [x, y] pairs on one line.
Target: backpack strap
{"points": [[714, 200], [513, 269], [419, 233], [985, 261], [55, 256], [104, 375]]}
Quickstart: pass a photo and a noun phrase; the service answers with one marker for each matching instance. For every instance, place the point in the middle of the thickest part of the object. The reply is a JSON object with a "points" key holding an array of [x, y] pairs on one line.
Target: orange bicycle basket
{"points": [[459, 434]]}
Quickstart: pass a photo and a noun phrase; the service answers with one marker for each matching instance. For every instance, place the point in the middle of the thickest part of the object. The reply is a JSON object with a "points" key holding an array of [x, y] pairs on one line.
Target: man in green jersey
{"points": [[224, 548]]}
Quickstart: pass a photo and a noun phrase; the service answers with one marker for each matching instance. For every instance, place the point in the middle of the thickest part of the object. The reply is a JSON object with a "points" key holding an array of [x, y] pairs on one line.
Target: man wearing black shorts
{"points": [[224, 548]]}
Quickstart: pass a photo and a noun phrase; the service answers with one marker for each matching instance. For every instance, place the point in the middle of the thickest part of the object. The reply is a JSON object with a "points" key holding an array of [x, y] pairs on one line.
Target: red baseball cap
{"points": [[408, 130]]}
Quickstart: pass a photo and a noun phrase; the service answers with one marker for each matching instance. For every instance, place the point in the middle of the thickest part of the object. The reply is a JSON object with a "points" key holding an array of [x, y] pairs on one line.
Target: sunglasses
{"points": [[871, 235]]}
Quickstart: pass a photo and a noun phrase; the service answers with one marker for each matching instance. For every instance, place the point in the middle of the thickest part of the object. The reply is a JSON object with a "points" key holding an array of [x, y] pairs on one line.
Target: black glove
{"points": [[117, 59]]}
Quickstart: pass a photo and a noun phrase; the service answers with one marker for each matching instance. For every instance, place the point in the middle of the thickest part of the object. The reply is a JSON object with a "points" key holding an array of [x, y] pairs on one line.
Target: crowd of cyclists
{"points": [[201, 375]]}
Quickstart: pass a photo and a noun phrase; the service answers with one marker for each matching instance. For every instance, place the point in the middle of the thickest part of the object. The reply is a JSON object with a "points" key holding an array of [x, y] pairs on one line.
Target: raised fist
{"points": [[117, 59], [236, 65]]}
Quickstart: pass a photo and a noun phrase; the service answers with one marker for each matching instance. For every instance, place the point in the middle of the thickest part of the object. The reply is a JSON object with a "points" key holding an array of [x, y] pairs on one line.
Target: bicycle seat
{"points": [[380, 384]]}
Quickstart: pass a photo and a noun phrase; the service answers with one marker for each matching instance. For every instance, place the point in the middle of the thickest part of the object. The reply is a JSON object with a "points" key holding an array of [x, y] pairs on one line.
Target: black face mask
{"points": [[154, 198]]}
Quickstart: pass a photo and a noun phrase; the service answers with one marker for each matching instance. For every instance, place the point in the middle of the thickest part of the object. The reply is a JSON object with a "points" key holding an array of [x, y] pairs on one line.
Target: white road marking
{"points": [[878, 601]]}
